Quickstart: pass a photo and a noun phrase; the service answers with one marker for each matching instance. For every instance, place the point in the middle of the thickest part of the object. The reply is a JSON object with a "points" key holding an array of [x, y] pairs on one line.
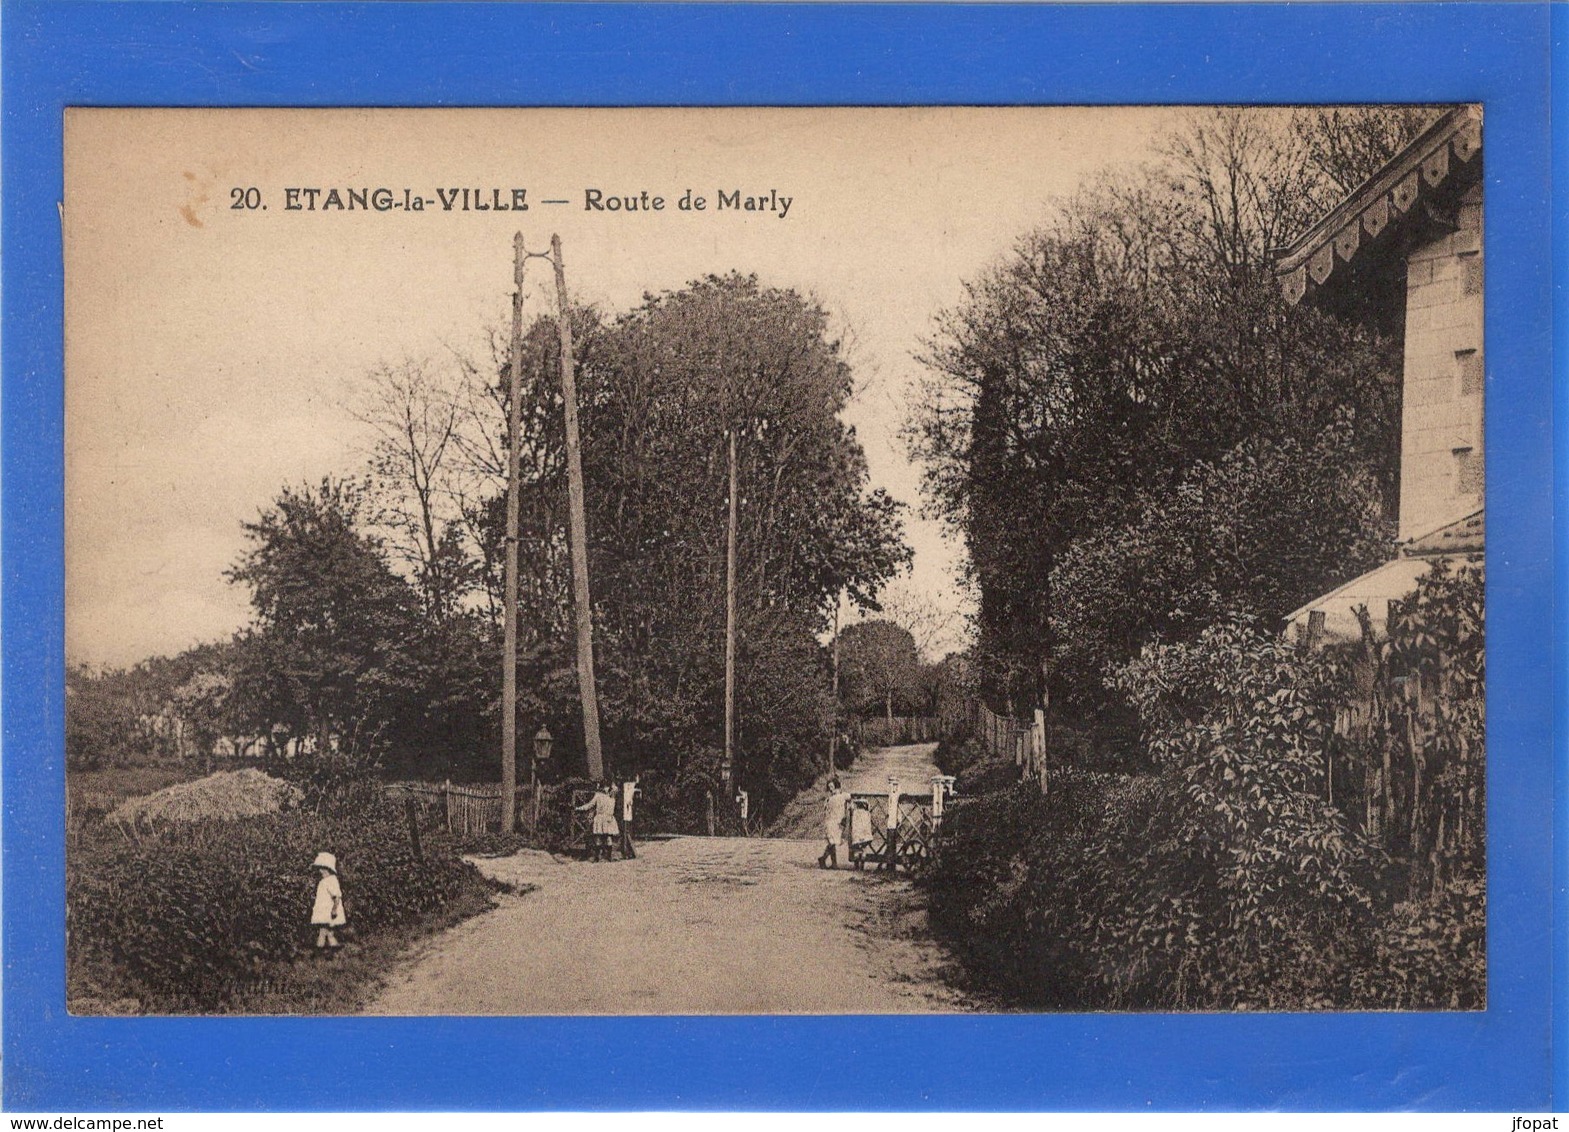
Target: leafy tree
{"points": [[949, 686], [333, 622], [785, 710], [1258, 532], [1136, 336], [101, 721], [672, 380], [202, 703], [662, 388], [879, 667]]}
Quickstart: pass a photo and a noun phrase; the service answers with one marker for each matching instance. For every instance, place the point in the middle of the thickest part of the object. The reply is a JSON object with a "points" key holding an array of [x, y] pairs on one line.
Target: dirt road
{"points": [[694, 925], [912, 765]]}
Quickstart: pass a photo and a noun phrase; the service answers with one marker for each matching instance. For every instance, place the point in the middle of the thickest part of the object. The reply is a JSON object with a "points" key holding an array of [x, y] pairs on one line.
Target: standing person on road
{"points": [[603, 807], [833, 823], [628, 793]]}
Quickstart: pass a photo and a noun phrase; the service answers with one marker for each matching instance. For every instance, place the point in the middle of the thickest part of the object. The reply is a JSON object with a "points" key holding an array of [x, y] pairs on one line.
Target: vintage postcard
{"points": [[774, 561]]}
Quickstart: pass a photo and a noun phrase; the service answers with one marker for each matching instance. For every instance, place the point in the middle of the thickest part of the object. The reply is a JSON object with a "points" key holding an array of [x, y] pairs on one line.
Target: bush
{"points": [[1091, 898], [186, 922], [1430, 953], [987, 776], [673, 807], [1022, 886], [1277, 883], [955, 754], [1227, 880]]}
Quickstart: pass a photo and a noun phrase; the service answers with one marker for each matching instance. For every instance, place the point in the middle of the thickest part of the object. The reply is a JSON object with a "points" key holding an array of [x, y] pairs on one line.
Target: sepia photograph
{"points": [[774, 561]]}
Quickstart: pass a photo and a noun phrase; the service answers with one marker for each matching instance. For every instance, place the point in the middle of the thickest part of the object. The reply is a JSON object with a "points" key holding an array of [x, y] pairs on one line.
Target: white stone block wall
{"points": [[1441, 444]]}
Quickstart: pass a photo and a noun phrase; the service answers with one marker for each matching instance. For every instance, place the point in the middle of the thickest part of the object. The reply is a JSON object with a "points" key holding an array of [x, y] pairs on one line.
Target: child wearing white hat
{"points": [[327, 912]]}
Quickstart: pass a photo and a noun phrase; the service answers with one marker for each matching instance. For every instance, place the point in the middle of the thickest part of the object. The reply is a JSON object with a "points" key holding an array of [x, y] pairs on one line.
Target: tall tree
{"points": [[674, 378], [1137, 335], [880, 667], [1255, 534], [332, 619], [1348, 144], [661, 387]]}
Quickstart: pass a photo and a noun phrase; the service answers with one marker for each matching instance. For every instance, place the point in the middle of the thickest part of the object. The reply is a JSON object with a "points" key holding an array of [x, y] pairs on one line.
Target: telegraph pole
{"points": [[833, 741], [727, 769], [509, 631], [578, 528]]}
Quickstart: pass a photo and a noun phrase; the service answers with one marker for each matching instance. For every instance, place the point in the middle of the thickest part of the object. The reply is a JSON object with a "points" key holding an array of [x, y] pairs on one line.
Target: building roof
{"points": [[1375, 590], [1447, 155], [1465, 535]]}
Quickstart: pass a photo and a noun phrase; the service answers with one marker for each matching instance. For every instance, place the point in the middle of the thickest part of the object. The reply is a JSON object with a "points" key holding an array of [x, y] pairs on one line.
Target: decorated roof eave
{"points": [[1448, 146]]}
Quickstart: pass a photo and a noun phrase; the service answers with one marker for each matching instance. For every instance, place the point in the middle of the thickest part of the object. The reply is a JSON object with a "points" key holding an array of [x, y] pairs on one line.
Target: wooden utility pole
{"points": [[578, 528], [833, 741], [509, 629], [727, 768]]}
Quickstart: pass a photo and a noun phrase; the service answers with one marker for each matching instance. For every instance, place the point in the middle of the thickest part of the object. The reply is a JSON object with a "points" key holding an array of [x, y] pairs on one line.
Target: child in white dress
{"points": [[327, 913]]}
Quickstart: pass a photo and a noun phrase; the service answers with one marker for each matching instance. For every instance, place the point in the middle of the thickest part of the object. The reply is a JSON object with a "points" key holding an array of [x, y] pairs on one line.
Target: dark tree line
{"points": [[1133, 431]]}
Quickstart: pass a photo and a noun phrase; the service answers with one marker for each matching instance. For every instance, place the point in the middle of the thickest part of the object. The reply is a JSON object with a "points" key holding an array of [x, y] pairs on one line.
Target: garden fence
{"points": [[467, 810], [1022, 742]]}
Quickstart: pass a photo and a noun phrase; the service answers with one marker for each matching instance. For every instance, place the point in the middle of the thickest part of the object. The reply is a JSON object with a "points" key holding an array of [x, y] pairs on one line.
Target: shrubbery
{"points": [[188, 920], [956, 753], [1430, 953], [1105, 895], [1022, 884], [1227, 880], [974, 768], [985, 776]]}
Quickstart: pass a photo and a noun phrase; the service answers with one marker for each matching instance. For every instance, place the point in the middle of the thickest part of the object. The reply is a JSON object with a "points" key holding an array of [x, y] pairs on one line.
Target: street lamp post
{"points": [[542, 741]]}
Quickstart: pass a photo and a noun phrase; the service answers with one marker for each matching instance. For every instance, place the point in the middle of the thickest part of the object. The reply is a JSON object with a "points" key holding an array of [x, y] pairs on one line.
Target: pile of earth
{"points": [[226, 795]]}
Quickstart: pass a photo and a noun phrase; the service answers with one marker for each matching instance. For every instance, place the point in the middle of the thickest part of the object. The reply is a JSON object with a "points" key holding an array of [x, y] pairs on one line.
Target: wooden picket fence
{"points": [[1022, 742], [475, 809], [1399, 766], [464, 810]]}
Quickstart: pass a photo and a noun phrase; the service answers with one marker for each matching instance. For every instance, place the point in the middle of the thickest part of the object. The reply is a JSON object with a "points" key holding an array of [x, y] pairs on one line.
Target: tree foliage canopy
{"points": [[880, 669], [664, 387], [1136, 336], [1258, 532], [333, 620]]}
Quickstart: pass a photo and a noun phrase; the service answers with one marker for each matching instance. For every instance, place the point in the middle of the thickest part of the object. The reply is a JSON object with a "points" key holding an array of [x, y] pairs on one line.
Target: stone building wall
{"points": [[1441, 469]]}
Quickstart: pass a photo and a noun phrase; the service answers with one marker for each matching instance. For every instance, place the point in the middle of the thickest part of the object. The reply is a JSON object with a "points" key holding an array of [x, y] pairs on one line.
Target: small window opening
{"points": [[1468, 472], [1470, 366]]}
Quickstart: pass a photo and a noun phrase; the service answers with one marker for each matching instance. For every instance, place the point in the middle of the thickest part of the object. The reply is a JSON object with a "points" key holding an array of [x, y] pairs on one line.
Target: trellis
{"points": [[914, 832]]}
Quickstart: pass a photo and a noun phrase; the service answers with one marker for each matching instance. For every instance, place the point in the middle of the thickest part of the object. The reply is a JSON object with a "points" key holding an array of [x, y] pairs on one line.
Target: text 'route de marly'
{"points": [[496, 199]]}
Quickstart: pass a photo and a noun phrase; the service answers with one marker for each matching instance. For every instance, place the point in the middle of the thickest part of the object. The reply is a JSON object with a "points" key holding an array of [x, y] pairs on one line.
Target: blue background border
{"points": [[59, 54]]}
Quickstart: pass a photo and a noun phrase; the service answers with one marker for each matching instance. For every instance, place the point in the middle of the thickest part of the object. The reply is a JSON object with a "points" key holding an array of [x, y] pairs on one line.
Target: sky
{"points": [[213, 351]]}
